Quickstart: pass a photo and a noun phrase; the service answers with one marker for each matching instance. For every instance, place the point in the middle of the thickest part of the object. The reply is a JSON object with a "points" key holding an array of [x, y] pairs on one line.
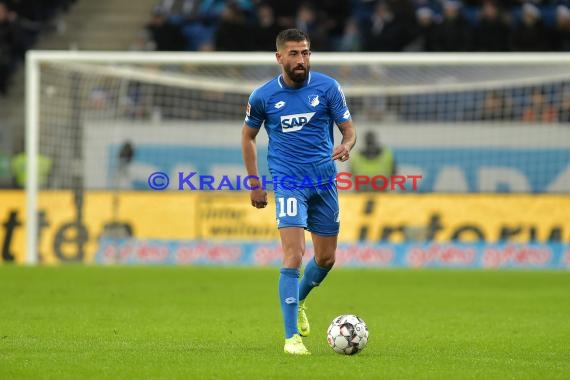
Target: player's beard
{"points": [[298, 76]]}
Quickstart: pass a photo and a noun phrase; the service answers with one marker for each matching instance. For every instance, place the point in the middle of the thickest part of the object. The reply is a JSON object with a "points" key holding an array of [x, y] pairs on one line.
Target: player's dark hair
{"points": [[289, 35]]}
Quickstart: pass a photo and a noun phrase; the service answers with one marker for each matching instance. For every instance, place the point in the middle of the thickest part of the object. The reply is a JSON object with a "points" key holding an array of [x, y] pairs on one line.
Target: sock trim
{"points": [[290, 272], [324, 269]]}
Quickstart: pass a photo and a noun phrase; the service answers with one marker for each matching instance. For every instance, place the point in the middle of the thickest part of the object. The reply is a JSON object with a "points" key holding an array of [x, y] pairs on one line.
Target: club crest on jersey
{"points": [[314, 100], [293, 123]]}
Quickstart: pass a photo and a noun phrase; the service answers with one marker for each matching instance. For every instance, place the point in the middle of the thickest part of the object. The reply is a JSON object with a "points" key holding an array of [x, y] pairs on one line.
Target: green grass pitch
{"points": [[79, 322]]}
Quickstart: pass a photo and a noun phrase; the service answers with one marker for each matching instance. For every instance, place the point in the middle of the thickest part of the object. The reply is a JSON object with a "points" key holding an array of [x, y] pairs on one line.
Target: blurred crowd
{"points": [[363, 25], [334, 25], [538, 105], [21, 22]]}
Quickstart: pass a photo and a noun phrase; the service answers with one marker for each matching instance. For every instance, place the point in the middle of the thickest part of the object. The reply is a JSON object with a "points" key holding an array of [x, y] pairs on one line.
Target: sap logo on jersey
{"points": [[293, 123]]}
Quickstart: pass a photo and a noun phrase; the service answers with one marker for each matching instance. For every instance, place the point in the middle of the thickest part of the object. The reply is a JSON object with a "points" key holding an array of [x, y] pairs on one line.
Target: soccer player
{"points": [[299, 109]]}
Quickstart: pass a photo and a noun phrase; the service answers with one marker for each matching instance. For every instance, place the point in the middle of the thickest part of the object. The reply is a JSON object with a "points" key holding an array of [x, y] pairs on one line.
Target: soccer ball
{"points": [[347, 334]]}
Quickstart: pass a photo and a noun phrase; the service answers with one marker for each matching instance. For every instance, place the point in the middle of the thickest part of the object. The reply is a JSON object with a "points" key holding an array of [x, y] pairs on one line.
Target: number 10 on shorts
{"points": [[287, 207]]}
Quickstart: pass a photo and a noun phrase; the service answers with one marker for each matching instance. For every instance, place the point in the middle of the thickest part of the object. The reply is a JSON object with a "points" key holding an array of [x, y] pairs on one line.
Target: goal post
{"points": [[32, 142], [180, 113]]}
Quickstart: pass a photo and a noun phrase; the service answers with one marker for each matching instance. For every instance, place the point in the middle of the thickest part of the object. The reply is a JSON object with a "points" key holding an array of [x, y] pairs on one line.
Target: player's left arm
{"points": [[341, 116], [342, 151]]}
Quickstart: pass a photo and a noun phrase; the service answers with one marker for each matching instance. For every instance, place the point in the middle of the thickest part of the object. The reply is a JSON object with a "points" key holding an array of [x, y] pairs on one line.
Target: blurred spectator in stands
{"points": [[530, 33], [136, 105], [6, 178], [351, 39], [389, 31], [427, 30], [285, 11], [372, 160], [212, 9], [38, 11], [361, 11], [564, 111], [5, 67], [265, 29], [12, 45], [432, 4], [311, 22], [561, 32], [335, 14], [200, 22], [454, 32], [539, 110], [232, 33], [403, 9], [496, 105], [165, 35], [492, 32], [18, 167]]}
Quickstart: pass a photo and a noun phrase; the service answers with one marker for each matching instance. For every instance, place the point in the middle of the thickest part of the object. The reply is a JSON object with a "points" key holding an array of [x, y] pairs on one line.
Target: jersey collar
{"points": [[282, 84]]}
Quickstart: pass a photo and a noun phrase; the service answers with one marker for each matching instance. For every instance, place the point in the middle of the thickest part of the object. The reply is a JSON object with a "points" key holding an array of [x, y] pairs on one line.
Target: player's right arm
{"points": [[254, 117], [249, 151]]}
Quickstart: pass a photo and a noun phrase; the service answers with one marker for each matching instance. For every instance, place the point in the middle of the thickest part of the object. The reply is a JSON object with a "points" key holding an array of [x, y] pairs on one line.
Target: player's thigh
{"points": [[323, 211], [291, 207]]}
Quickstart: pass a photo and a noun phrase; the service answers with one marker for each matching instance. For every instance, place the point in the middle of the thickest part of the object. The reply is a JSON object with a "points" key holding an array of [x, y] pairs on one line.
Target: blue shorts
{"points": [[313, 208]]}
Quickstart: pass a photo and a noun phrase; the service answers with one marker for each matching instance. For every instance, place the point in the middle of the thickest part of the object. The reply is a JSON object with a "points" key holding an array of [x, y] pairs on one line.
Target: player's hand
{"points": [[258, 198], [341, 153]]}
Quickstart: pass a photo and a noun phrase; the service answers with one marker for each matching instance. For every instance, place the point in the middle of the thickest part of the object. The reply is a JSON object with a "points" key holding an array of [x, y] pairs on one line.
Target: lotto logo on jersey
{"points": [[293, 123]]}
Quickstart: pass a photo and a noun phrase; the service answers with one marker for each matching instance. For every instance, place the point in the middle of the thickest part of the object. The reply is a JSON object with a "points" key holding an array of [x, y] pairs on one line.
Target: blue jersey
{"points": [[299, 123]]}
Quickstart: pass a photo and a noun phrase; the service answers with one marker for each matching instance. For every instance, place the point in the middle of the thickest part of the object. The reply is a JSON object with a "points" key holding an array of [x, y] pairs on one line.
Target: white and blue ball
{"points": [[347, 334]]}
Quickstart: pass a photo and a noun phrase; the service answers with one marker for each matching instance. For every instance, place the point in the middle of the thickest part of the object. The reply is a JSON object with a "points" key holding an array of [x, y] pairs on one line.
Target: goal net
{"points": [[102, 124]]}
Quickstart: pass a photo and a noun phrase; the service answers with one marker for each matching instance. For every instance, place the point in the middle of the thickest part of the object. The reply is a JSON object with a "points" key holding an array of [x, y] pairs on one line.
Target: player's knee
{"points": [[325, 262], [293, 256], [292, 261]]}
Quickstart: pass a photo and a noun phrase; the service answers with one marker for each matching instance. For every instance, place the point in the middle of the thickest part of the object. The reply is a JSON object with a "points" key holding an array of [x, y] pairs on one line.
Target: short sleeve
{"points": [[254, 112], [339, 108]]}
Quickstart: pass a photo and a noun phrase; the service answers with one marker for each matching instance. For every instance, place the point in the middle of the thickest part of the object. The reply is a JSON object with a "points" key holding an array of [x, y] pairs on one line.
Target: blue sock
{"points": [[313, 276], [289, 296]]}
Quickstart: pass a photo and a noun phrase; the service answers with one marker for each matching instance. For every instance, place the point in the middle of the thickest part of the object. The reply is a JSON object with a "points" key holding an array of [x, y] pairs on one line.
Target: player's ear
{"points": [[278, 57]]}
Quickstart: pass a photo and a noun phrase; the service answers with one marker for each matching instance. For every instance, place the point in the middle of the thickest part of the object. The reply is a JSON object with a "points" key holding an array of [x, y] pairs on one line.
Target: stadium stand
{"points": [[21, 24], [382, 25]]}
